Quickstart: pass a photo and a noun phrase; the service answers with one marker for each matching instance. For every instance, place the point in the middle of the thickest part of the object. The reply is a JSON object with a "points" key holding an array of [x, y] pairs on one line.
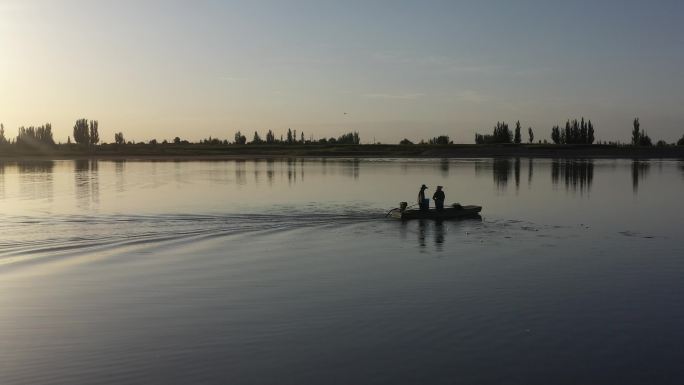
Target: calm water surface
{"points": [[287, 272]]}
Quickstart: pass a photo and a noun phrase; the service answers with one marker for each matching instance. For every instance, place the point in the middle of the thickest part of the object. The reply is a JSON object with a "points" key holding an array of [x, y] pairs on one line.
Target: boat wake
{"points": [[28, 239]]}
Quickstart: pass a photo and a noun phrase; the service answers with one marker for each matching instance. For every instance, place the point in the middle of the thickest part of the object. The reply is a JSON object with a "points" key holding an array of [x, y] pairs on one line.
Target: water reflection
{"points": [[240, 172], [351, 168], [2, 180], [501, 169], [291, 170], [257, 171], [640, 171], [119, 172], [516, 168], [576, 174], [530, 171], [431, 229], [444, 167], [86, 180], [36, 179], [270, 173]]}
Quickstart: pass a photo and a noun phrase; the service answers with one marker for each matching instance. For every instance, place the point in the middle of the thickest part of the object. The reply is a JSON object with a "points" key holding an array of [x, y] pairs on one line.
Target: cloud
{"points": [[396, 96]]}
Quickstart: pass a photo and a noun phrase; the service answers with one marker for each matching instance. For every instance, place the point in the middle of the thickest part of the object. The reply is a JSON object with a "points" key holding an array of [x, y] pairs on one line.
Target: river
{"points": [[286, 271]]}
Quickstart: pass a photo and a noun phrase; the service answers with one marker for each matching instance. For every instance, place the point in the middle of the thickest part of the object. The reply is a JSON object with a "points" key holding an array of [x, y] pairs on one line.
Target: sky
{"points": [[398, 69]]}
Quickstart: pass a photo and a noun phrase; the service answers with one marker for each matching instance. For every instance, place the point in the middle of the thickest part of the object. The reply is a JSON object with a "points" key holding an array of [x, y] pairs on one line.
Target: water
{"points": [[287, 272]]}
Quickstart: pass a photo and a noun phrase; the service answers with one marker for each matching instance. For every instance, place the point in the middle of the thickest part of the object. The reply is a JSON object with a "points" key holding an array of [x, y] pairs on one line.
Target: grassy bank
{"points": [[210, 151]]}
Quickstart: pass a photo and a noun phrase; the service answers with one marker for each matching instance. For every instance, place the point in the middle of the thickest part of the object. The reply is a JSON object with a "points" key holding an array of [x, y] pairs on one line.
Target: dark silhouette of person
{"points": [[421, 198], [439, 197]]}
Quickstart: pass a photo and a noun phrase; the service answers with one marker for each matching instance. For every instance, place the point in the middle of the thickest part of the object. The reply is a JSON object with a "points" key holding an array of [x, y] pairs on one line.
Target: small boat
{"points": [[455, 212]]}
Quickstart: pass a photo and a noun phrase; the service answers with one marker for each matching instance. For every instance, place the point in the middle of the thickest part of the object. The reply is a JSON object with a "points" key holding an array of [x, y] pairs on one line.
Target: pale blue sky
{"points": [[159, 69]]}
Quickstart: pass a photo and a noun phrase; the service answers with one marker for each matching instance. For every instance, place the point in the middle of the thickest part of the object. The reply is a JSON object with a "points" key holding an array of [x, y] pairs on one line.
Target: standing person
{"points": [[439, 197], [421, 198]]}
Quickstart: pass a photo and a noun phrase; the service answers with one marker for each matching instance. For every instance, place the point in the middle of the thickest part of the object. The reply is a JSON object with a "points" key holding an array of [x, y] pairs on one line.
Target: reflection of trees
{"points": [[639, 171], [444, 167], [86, 179], [291, 170], [269, 170], [516, 168], [119, 171], [501, 170], [36, 179], [575, 174], [2, 180], [530, 171], [240, 172], [257, 171], [351, 168]]}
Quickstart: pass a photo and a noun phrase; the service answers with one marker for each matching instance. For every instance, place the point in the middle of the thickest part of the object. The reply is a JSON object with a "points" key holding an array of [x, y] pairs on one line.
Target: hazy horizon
{"points": [[396, 68]]}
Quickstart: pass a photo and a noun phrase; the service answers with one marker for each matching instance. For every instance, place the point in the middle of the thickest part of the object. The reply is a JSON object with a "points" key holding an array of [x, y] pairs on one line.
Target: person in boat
{"points": [[423, 203], [439, 197]]}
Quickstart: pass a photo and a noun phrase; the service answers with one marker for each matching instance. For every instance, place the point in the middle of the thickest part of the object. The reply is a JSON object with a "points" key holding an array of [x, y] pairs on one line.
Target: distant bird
{"points": [[345, 113]]}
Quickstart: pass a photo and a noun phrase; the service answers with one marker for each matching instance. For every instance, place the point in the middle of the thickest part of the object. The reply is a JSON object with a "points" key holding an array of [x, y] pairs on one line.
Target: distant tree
{"points": [[405, 142], [530, 134], [302, 140], [119, 138], [639, 136], [3, 139], [68, 139], [556, 135], [153, 141], [636, 132], [645, 140], [517, 138], [348, 138], [176, 140], [661, 143], [94, 136], [239, 138], [289, 136], [680, 142], [501, 134], [442, 139], [257, 138], [270, 137], [81, 132], [590, 133], [584, 132], [31, 136]]}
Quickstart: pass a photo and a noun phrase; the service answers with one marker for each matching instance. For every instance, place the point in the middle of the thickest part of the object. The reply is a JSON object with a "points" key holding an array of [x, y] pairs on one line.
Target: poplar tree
{"points": [[94, 135], [636, 133], [81, 133]]}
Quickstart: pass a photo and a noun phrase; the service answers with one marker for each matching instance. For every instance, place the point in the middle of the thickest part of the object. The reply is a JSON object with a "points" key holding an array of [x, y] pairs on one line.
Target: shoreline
{"points": [[145, 152]]}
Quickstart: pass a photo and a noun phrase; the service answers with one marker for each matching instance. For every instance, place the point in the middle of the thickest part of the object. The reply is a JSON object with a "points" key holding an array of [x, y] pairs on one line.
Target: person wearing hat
{"points": [[423, 203], [439, 197]]}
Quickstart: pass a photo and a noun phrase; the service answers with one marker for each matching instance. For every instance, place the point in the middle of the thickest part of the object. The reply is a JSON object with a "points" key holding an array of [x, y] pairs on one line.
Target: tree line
{"points": [[576, 131]]}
